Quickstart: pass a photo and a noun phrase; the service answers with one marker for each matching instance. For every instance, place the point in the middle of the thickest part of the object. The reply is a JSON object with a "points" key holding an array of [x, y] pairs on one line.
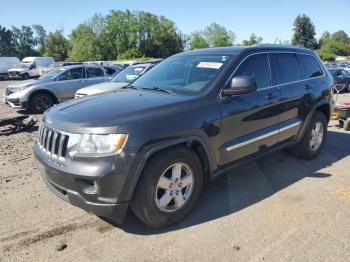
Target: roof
{"points": [[143, 65], [80, 65], [233, 50]]}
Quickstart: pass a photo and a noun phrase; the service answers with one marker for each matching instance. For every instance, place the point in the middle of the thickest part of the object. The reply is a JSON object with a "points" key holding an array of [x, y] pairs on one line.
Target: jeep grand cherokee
{"points": [[153, 144]]}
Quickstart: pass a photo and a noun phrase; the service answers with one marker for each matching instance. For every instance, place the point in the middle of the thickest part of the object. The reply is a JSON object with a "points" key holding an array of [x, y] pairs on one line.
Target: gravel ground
{"points": [[279, 209]]}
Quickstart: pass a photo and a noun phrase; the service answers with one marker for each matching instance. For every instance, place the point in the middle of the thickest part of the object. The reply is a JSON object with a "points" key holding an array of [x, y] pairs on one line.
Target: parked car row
{"points": [[68, 82]]}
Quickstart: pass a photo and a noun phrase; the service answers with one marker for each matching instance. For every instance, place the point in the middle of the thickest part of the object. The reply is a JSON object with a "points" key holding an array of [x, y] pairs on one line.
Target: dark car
{"points": [[341, 79], [153, 144]]}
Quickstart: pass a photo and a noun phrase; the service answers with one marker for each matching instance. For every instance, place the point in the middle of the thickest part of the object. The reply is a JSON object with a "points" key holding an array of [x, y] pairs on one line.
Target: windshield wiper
{"points": [[157, 88], [130, 86]]}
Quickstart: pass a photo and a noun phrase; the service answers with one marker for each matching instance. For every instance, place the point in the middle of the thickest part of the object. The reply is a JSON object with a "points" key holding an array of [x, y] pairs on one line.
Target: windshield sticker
{"points": [[212, 65]]}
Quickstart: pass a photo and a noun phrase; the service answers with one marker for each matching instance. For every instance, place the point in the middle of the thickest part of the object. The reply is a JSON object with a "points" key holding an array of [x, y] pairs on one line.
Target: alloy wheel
{"points": [[174, 187]]}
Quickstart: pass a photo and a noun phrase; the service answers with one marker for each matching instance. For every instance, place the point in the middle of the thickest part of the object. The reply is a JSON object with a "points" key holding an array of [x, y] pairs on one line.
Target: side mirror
{"points": [[240, 85]]}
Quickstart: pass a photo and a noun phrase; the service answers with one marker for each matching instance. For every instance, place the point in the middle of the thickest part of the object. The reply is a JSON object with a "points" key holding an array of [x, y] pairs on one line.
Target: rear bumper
{"points": [[96, 186]]}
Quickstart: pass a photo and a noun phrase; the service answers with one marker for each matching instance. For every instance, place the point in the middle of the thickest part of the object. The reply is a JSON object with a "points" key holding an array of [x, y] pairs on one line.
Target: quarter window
{"points": [[286, 68], [309, 66], [93, 72], [256, 66]]}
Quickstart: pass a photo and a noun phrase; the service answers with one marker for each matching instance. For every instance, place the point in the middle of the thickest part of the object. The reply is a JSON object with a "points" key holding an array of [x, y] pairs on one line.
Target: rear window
{"points": [[286, 68], [309, 66], [94, 72]]}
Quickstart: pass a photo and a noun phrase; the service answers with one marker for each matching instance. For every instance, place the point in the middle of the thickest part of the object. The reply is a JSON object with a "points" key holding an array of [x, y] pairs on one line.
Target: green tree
{"points": [[84, 44], [197, 41], [217, 35], [56, 46], [253, 40], [40, 37], [6, 42], [304, 32], [24, 41], [337, 43]]}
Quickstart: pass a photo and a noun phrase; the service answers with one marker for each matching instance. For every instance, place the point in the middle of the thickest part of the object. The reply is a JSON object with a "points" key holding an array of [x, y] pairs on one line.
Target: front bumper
{"points": [[96, 185], [15, 102]]}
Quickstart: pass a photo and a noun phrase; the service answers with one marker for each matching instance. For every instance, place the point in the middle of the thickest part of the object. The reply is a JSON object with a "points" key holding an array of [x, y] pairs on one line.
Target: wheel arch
{"points": [[46, 92], [194, 143]]}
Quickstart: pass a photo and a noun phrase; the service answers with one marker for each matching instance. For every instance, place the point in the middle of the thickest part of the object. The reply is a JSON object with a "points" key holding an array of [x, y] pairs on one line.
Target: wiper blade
{"points": [[130, 86], [157, 88]]}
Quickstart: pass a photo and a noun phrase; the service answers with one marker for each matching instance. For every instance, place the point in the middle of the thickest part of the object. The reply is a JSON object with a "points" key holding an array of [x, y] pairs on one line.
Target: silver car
{"points": [[124, 78], [55, 87]]}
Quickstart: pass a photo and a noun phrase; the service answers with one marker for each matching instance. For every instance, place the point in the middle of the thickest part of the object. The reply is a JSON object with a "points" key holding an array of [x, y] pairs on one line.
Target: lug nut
{"points": [[180, 184], [170, 185], [176, 179]]}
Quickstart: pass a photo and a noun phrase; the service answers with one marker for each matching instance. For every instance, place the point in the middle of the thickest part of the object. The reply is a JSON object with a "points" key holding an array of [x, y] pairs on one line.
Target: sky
{"points": [[269, 19]]}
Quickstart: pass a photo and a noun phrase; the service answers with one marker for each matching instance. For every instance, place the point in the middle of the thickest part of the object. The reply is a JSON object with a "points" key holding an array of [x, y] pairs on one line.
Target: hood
{"points": [[106, 113], [17, 69], [29, 82], [101, 88]]}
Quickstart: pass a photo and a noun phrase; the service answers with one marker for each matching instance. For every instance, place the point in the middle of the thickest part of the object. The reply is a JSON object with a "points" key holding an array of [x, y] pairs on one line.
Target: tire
{"points": [[347, 124], [40, 102], [304, 148], [147, 202], [25, 76]]}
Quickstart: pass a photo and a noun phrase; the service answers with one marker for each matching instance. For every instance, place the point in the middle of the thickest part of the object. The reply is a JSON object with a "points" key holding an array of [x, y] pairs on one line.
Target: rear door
{"points": [[69, 82], [296, 99], [250, 121], [94, 75]]}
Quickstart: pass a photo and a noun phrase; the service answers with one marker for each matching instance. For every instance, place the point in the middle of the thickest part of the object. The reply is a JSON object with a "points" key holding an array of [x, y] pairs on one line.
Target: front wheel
{"points": [[25, 76], [169, 187], [40, 102], [314, 138]]}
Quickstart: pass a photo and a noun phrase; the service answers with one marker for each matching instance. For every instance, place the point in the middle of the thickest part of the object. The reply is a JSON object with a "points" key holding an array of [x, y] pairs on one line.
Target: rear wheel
{"points": [[40, 102], [169, 187], [314, 137]]}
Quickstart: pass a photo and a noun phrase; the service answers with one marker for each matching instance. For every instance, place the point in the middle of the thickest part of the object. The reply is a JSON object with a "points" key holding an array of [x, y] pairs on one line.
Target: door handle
{"points": [[270, 96], [308, 86], [83, 81]]}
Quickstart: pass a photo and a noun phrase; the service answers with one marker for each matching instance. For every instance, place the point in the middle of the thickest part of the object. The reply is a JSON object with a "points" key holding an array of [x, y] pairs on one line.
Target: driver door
{"points": [[250, 121], [70, 81]]}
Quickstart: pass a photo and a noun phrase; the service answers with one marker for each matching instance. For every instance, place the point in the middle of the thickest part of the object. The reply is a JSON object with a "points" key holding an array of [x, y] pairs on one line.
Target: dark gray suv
{"points": [[153, 144]]}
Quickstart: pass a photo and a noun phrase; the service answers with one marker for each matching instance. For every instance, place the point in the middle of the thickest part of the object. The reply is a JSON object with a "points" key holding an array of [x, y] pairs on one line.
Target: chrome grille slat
{"points": [[60, 146], [44, 138], [53, 145], [48, 140]]}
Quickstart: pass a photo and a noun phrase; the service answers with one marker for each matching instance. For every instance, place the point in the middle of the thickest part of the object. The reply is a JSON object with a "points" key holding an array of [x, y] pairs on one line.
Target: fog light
{"points": [[87, 186]]}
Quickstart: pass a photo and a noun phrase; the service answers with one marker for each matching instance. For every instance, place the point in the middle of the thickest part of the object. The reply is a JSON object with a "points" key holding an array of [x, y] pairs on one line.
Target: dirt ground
{"points": [[278, 208]]}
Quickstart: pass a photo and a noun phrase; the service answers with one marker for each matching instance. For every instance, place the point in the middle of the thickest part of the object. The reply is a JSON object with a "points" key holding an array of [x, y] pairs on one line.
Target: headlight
{"points": [[95, 145]]}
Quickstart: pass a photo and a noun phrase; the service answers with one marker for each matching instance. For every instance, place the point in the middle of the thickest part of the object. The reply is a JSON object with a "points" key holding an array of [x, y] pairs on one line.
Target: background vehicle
{"points": [[188, 120], [5, 64], [341, 79], [45, 70], [112, 70], [120, 80], [57, 86], [30, 67]]}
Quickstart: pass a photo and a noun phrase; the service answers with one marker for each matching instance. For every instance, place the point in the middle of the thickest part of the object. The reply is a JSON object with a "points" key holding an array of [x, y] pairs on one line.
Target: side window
{"points": [[93, 72], [256, 66], [72, 74], [309, 66], [285, 68]]}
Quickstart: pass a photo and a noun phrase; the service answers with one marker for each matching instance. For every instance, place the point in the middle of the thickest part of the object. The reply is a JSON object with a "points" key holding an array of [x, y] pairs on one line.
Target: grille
{"points": [[53, 142], [13, 73]]}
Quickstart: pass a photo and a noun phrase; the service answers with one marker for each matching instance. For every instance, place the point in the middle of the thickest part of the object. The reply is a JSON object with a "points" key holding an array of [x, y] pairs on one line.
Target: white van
{"points": [[5, 64], [30, 67]]}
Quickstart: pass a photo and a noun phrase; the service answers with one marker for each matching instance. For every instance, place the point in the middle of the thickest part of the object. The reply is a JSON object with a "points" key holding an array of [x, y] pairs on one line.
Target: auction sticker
{"points": [[212, 65]]}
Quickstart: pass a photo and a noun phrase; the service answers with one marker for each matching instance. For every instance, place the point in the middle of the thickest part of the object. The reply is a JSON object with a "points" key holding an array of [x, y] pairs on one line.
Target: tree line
{"points": [[133, 34]]}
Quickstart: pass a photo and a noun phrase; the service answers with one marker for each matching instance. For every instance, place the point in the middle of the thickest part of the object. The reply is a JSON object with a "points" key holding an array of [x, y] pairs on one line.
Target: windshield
{"points": [[129, 75], [185, 74], [52, 74], [22, 65]]}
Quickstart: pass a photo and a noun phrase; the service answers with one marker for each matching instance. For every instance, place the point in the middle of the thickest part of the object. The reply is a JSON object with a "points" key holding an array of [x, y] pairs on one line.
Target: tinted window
{"points": [[94, 72], [256, 66], [309, 66], [286, 68], [110, 71], [76, 73]]}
